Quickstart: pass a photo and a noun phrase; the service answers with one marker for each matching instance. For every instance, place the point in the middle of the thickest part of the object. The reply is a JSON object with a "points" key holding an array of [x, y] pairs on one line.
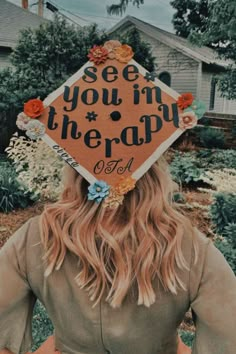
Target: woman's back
{"points": [[81, 328]]}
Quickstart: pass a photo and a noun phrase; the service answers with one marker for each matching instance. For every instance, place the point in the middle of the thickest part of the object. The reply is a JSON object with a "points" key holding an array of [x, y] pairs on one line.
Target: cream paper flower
{"points": [[187, 120], [22, 121], [110, 46]]}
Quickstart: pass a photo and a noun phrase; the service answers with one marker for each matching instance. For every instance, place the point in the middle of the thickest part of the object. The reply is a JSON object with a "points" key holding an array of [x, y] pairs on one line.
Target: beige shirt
{"points": [[132, 329]]}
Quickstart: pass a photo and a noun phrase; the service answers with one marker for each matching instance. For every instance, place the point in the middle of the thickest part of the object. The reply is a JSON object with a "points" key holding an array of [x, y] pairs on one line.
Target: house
{"points": [[12, 20], [184, 67]]}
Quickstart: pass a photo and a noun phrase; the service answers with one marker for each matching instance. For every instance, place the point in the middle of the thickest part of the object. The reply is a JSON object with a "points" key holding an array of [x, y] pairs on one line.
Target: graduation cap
{"points": [[111, 121]]}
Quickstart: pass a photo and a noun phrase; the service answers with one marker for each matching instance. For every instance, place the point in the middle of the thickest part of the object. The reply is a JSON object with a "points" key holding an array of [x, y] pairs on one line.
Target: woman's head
{"points": [[131, 245]]}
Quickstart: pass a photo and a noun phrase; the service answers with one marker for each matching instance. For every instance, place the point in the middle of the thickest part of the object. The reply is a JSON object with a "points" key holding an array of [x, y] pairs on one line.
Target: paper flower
{"points": [[124, 53], [114, 199], [110, 46], [187, 120], [98, 54], [98, 191], [35, 129], [185, 100], [33, 108], [125, 185], [22, 121], [198, 107]]}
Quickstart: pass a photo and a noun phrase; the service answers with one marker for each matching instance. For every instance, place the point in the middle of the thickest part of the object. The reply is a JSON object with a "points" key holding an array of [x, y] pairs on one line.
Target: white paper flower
{"points": [[187, 120], [35, 129], [22, 121]]}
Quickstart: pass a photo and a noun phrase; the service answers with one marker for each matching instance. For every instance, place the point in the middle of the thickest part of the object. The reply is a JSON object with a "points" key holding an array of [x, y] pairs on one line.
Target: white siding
{"points": [[222, 105], [206, 88], [183, 70], [230, 106]]}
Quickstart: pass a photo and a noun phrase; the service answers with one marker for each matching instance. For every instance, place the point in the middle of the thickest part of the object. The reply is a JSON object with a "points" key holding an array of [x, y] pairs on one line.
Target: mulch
{"points": [[12, 221]]}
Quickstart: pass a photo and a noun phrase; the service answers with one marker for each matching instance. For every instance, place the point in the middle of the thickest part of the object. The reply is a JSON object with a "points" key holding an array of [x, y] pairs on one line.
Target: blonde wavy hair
{"points": [[118, 249]]}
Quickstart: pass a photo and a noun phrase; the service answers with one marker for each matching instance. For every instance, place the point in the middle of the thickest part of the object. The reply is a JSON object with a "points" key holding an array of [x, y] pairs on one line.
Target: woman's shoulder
{"points": [[25, 244], [194, 247]]}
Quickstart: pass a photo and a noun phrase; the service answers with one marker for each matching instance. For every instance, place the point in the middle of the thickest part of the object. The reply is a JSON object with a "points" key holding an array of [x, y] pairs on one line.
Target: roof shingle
{"points": [[12, 20]]}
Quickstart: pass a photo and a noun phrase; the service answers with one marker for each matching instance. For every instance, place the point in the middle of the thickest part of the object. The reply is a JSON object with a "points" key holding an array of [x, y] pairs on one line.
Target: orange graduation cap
{"points": [[111, 120]]}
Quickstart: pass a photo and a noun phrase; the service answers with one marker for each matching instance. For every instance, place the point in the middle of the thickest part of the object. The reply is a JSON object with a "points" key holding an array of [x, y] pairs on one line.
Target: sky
{"points": [[84, 12]]}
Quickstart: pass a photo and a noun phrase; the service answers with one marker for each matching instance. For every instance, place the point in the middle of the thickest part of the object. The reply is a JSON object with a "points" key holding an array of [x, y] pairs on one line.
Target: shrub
{"points": [[179, 197], [223, 211], [212, 137], [184, 169], [187, 337], [225, 247], [12, 193], [42, 326], [217, 159], [230, 233], [38, 166], [221, 180]]}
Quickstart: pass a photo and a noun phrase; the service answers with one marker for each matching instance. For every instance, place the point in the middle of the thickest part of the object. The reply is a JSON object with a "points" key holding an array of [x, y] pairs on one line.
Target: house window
{"points": [[165, 77], [212, 95]]}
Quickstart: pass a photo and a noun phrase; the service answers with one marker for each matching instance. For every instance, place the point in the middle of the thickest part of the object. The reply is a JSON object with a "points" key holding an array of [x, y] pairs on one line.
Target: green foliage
{"points": [[184, 169], [227, 83], [220, 33], [223, 211], [12, 193], [119, 9], [216, 159], [42, 326], [179, 197], [44, 58], [212, 138], [187, 337], [230, 233], [225, 247], [143, 51], [190, 15]]}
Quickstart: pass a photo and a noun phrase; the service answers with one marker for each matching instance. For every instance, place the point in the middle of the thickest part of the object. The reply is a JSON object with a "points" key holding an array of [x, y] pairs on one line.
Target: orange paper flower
{"points": [[124, 53], [98, 54], [110, 47], [33, 108], [125, 185], [185, 100], [187, 120]]}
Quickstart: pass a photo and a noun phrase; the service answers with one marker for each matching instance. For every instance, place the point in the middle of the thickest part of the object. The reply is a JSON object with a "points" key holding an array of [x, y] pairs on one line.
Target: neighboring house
{"points": [[12, 20], [184, 67]]}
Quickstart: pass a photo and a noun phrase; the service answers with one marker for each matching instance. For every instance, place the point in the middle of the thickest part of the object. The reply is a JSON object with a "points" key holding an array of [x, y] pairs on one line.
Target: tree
{"points": [[190, 15], [44, 58], [142, 50], [119, 9], [221, 34], [211, 23]]}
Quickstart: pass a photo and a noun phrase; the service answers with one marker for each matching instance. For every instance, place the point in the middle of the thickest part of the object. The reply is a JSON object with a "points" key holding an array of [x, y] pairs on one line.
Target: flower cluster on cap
{"points": [[27, 120], [192, 111], [112, 196], [112, 49]]}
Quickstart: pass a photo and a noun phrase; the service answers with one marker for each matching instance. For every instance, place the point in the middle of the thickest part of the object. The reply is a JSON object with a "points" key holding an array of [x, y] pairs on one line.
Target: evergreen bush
{"points": [[223, 211], [212, 138], [184, 169], [13, 194]]}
